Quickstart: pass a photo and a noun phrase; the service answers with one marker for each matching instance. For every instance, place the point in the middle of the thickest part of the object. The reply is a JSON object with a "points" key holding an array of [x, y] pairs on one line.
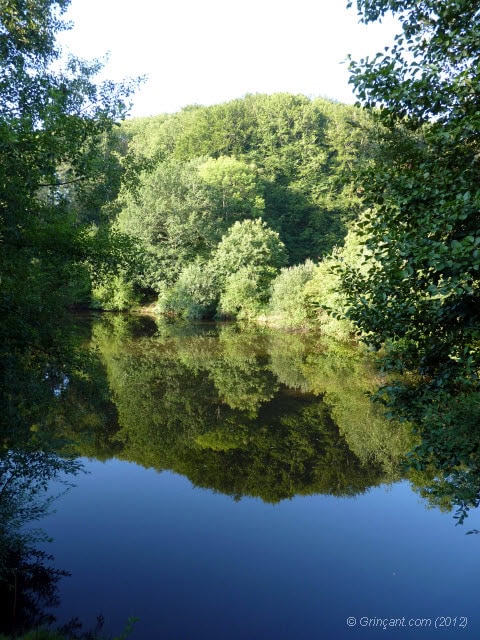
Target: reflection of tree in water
{"points": [[271, 414], [45, 411], [239, 374], [445, 464], [213, 410], [275, 414], [28, 589], [293, 448], [28, 584]]}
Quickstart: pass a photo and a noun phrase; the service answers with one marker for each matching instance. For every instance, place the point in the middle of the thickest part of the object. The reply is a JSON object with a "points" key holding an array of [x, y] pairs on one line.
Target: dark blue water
{"points": [[194, 564], [284, 510]]}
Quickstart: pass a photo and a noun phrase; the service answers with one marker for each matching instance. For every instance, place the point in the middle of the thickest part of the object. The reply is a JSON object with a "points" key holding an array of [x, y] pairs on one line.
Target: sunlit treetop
{"points": [[29, 28]]}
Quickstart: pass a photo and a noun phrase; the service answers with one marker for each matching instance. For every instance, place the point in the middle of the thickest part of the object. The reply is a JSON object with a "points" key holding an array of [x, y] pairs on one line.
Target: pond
{"points": [[241, 484]]}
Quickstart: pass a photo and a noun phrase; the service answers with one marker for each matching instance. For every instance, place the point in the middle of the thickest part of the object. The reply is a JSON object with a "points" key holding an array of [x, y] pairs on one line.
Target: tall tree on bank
{"points": [[421, 294], [51, 119]]}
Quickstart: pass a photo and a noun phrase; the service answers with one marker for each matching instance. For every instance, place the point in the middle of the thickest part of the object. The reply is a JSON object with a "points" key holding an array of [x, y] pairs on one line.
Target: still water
{"points": [[242, 485]]}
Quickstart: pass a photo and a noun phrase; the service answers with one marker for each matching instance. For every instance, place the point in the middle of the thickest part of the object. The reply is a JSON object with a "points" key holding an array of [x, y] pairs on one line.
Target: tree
{"points": [[421, 295], [235, 280], [287, 298], [172, 219], [182, 209], [243, 294], [235, 187], [194, 295], [51, 119], [250, 243], [246, 261]]}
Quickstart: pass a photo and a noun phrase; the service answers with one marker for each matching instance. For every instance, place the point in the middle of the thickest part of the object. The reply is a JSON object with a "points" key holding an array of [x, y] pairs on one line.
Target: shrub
{"points": [[323, 296], [287, 300], [115, 294], [194, 295], [243, 295]]}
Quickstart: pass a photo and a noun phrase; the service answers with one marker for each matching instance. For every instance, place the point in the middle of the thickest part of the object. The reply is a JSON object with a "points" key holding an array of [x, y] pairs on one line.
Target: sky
{"points": [[210, 51]]}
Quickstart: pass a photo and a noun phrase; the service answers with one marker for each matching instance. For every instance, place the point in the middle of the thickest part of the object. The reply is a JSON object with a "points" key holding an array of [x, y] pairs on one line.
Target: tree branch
{"points": [[61, 184]]}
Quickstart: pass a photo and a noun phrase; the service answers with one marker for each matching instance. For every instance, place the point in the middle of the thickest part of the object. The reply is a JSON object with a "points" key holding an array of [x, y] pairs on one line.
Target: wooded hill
{"points": [[233, 192]]}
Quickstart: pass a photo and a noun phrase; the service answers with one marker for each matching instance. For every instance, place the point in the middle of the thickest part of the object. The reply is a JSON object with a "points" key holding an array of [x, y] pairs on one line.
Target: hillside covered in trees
{"points": [[222, 198]]}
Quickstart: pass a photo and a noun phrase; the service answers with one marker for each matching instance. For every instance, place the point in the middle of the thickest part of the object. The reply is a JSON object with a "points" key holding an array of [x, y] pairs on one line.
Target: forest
{"points": [[359, 223], [234, 207]]}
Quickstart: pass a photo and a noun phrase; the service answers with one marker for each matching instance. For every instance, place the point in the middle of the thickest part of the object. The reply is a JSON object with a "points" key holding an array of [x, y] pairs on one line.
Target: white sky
{"points": [[211, 51]]}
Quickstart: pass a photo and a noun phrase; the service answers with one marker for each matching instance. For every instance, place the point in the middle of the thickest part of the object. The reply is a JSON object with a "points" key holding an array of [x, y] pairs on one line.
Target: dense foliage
{"points": [[54, 127], [239, 210], [284, 159], [420, 298], [423, 227], [264, 413]]}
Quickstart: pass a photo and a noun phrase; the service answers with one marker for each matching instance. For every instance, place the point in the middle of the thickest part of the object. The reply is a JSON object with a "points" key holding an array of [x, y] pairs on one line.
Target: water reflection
{"points": [[50, 399], [272, 414], [263, 414], [28, 581]]}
